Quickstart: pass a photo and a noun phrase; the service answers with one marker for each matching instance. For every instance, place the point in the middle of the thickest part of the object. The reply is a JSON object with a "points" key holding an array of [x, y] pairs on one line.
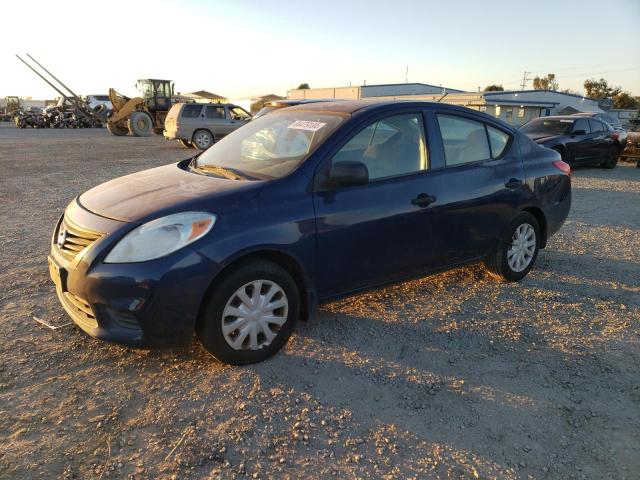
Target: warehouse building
{"points": [[370, 91], [514, 107]]}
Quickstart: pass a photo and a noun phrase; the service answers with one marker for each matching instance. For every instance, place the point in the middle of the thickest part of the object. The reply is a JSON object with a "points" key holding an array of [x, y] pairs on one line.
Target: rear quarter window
{"points": [[191, 111]]}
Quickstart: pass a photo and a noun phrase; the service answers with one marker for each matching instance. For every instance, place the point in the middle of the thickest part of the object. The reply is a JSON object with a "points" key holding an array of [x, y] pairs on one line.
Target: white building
{"points": [[514, 107]]}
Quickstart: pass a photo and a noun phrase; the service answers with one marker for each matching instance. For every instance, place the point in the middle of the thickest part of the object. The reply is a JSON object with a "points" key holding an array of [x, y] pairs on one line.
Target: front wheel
{"points": [[517, 249], [140, 124], [251, 314], [610, 160]]}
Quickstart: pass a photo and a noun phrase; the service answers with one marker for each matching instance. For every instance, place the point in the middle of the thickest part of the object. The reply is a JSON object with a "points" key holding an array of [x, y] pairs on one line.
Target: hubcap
{"points": [[254, 315], [522, 248], [203, 140]]}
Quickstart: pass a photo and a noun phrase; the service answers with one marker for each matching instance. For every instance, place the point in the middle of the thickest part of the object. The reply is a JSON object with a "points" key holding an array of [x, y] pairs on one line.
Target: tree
{"points": [[494, 88], [303, 86], [624, 100], [545, 83], [598, 89]]}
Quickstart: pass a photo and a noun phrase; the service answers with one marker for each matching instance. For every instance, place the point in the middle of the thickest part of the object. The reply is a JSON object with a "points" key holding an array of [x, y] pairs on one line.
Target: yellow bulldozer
{"points": [[141, 115]]}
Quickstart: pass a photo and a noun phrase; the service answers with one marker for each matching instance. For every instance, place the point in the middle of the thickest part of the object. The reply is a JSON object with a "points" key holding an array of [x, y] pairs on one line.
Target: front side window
{"points": [[237, 113], [596, 126], [581, 124], [191, 111], [390, 147], [271, 146], [464, 140]]}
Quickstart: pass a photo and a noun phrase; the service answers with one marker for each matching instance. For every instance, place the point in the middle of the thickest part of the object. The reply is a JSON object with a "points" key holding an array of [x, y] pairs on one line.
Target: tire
{"points": [[186, 143], [113, 128], [503, 266], [610, 160], [140, 124], [202, 139], [224, 299]]}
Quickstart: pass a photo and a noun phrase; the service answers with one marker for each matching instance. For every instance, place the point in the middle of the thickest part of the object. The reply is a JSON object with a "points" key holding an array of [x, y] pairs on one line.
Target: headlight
{"points": [[160, 237]]}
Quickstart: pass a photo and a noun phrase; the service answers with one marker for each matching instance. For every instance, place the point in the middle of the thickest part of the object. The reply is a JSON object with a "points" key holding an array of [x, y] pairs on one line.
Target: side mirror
{"points": [[578, 132], [349, 173]]}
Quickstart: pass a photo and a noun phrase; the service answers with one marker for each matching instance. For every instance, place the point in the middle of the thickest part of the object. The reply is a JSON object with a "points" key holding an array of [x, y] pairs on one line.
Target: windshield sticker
{"points": [[567, 121], [307, 125]]}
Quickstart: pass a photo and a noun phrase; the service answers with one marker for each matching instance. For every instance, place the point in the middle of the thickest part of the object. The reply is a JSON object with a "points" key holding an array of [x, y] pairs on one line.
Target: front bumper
{"points": [[145, 304]]}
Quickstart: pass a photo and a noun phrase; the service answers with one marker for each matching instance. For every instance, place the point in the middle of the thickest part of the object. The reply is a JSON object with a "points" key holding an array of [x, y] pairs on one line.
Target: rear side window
{"points": [[464, 140], [498, 141], [191, 111], [214, 112]]}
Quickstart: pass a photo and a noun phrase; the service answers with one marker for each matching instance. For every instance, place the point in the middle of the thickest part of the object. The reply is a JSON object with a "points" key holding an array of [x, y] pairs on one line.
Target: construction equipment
{"points": [[12, 106], [82, 109], [141, 115]]}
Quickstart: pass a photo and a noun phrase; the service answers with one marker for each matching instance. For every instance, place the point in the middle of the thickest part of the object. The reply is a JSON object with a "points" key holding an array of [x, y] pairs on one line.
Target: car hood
{"points": [[159, 191]]}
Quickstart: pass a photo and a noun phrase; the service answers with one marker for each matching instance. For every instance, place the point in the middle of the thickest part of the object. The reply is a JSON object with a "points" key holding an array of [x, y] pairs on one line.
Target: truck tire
{"points": [[140, 124], [113, 128]]}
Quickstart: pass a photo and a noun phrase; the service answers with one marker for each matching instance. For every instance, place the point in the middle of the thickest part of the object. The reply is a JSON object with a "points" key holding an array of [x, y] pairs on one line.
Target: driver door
{"points": [[376, 232]]}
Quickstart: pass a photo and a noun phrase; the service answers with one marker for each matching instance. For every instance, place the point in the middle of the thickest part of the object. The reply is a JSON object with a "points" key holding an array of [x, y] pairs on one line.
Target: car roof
{"points": [[556, 117], [353, 106], [293, 102]]}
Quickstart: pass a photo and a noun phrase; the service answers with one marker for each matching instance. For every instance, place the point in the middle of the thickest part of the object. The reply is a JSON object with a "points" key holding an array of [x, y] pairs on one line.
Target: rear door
{"points": [[215, 118], [479, 186], [600, 139]]}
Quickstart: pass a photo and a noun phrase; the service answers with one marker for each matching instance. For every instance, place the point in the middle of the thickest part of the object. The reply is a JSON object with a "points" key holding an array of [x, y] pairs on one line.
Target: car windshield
{"points": [[271, 146], [547, 127]]}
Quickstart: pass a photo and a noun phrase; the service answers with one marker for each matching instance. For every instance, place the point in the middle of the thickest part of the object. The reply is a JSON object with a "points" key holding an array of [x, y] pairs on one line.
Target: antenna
{"points": [[525, 79]]}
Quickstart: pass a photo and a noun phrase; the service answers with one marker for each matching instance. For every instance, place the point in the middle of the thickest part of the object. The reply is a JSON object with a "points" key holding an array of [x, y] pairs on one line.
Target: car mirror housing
{"points": [[349, 173], [578, 132]]}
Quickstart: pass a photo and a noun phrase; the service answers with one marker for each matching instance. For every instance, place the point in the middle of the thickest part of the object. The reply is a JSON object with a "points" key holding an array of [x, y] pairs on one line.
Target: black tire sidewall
{"points": [[209, 329], [505, 242]]}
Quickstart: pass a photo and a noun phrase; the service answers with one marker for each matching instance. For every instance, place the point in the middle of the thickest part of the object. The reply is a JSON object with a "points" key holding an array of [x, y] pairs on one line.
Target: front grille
{"points": [[80, 310], [74, 239]]}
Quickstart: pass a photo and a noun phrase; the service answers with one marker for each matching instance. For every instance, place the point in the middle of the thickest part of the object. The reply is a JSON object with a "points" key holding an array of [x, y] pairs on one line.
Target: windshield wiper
{"points": [[220, 171]]}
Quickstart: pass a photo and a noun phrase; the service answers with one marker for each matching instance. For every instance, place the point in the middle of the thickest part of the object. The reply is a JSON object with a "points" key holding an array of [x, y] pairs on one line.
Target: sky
{"points": [[247, 48]]}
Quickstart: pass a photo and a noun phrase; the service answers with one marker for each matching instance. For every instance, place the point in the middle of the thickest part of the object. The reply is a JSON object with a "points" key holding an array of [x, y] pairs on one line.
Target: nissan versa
{"points": [[301, 206]]}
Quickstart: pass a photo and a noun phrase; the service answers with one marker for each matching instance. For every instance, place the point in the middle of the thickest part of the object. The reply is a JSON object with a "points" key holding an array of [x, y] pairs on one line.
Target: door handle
{"points": [[423, 200], [513, 183]]}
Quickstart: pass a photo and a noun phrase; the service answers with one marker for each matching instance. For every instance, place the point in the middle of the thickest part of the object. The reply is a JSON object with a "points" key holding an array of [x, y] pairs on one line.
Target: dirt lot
{"points": [[450, 376]]}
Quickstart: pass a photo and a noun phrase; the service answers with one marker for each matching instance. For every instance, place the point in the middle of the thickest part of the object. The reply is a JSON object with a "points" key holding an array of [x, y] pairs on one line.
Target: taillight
{"points": [[563, 166]]}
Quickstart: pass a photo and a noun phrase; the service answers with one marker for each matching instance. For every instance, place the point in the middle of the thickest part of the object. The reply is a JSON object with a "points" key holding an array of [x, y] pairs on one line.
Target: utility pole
{"points": [[525, 79], [406, 75]]}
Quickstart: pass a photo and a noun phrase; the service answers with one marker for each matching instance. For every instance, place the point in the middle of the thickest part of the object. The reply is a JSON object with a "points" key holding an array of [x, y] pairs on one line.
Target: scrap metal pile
{"points": [[55, 117]]}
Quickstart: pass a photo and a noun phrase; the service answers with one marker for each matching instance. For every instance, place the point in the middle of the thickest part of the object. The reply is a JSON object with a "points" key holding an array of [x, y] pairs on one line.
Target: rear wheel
{"points": [[610, 159], [140, 124], [251, 313], [517, 249], [116, 129], [185, 143], [202, 139]]}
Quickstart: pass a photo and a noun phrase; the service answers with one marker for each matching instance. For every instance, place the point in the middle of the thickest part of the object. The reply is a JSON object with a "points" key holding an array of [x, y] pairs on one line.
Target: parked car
{"points": [[304, 205], [200, 125], [580, 141], [99, 103], [278, 104], [620, 136], [632, 150]]}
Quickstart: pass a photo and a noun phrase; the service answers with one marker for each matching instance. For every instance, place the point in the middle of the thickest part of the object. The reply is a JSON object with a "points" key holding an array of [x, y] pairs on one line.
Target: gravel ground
{"points": [[450, 376]]}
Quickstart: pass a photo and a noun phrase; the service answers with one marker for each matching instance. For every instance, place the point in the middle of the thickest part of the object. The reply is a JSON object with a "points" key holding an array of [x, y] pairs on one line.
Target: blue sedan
{"points": [[301, 206]]}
